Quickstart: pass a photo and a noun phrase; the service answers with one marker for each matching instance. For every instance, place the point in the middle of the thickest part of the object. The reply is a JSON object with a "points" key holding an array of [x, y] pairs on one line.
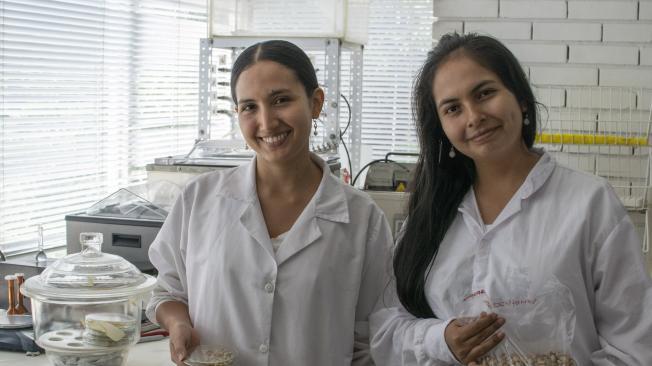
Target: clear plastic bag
{"points": [[538, 328]]}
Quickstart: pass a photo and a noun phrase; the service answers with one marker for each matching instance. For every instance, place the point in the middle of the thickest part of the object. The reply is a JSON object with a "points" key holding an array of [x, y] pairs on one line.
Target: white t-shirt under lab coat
{"points": [[562, 227], [306, 304]]}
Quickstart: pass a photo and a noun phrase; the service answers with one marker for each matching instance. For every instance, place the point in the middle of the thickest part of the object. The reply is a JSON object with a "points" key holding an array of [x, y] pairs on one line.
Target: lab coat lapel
{"points": [[471, 214], [241, 187], [535, 179], [300, 236], [253, 222], [328, 204]]}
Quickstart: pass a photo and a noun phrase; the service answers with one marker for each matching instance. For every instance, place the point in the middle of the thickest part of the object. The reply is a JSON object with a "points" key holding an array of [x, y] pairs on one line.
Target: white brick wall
{"points": [[550, 97], [617, 76], [646, 55], [618, 166], [645, 10], [538, 52], [466, 8], [500, 29], [563, 75], [627, 32], [603, 54], [623, 10], [547, 9], [557, 31]]}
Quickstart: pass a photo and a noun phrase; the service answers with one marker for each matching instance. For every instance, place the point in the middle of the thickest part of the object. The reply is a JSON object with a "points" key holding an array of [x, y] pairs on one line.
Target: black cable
{"points": [[348, 123], [365, 167], [349, 107], [397, 163], [348, 157], [374, 162], [400, 154]]}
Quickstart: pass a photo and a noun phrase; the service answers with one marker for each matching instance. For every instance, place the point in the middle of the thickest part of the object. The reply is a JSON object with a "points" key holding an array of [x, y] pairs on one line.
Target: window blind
{"points": [[91, 92], [400, 36]]}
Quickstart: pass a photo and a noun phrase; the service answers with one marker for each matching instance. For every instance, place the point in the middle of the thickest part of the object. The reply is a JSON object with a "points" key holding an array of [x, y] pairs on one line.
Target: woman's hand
{"points": [[183, 339], [472, 340], [173, 316]]}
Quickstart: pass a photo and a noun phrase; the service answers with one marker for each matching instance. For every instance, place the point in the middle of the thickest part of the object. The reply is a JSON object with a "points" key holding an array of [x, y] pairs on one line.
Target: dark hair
{"points": [[440, 182], [282, 52]]}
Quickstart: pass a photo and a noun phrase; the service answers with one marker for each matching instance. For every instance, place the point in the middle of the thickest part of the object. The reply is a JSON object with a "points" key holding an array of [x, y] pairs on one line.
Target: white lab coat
{"points": [[308, 304], [561, 225]]}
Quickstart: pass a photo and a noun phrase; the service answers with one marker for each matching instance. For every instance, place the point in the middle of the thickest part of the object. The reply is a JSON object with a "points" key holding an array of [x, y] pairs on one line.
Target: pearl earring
{"points": [[314, 126], [451, 154], [526, 121]]}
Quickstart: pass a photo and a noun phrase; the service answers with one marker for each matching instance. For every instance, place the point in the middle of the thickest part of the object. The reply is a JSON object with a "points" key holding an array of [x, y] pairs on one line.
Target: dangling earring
{"points": [[526, 121], [314, 121], [451, 154]]}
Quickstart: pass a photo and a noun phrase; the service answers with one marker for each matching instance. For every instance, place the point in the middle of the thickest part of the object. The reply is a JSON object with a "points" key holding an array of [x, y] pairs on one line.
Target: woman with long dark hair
{"points": [[276, 259], [490, 215]]}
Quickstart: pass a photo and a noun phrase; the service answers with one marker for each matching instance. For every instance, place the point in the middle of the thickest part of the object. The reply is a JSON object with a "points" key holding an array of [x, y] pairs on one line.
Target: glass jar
{"points": [[86, 307]]}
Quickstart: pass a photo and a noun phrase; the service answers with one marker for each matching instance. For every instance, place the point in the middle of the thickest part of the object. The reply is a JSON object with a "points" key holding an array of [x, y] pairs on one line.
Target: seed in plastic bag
{"points": [[550, 359]]}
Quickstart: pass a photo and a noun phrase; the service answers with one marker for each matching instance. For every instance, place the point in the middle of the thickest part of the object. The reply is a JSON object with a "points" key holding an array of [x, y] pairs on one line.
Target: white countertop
{"points": [[156, 353]]}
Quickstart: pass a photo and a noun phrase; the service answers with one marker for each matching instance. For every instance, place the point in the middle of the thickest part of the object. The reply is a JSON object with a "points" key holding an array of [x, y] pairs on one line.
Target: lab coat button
{"points": [[269, 287], [263, 348]]}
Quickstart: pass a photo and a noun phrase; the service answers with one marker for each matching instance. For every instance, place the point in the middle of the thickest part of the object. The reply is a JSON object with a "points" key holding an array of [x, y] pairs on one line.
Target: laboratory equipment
{"points": [[13, 319], [394, 206], [41, 257], [11, 294], [390, 176], [18, 264], [207, 156], [13, 322], [386, 182], [128, 221], [88, 293], [20, 308]]}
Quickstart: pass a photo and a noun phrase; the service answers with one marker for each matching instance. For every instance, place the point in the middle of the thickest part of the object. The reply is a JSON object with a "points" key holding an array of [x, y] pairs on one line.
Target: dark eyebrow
{"points": [[276, 92], [271, 94], [479, 86]]}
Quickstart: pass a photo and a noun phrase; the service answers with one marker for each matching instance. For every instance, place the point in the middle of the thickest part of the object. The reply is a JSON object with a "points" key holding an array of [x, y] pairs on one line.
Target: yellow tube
{"points": [[590, 139]]}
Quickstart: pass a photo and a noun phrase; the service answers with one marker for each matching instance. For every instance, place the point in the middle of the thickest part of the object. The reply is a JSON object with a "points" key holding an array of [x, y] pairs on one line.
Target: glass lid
{"points": [[89, 274], [126, 204]]}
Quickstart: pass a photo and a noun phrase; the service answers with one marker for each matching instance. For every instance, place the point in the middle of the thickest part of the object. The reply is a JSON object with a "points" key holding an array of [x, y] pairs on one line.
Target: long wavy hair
{"points": [[440, 182]]}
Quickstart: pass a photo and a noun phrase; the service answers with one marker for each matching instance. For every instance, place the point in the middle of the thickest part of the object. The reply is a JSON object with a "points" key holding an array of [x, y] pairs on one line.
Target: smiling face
{"points": [[275, 113], [479, 115]]}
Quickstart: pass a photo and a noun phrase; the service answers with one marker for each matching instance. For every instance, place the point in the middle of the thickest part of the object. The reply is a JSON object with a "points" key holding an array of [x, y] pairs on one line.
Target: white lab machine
{"points": [[386, 182]]}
